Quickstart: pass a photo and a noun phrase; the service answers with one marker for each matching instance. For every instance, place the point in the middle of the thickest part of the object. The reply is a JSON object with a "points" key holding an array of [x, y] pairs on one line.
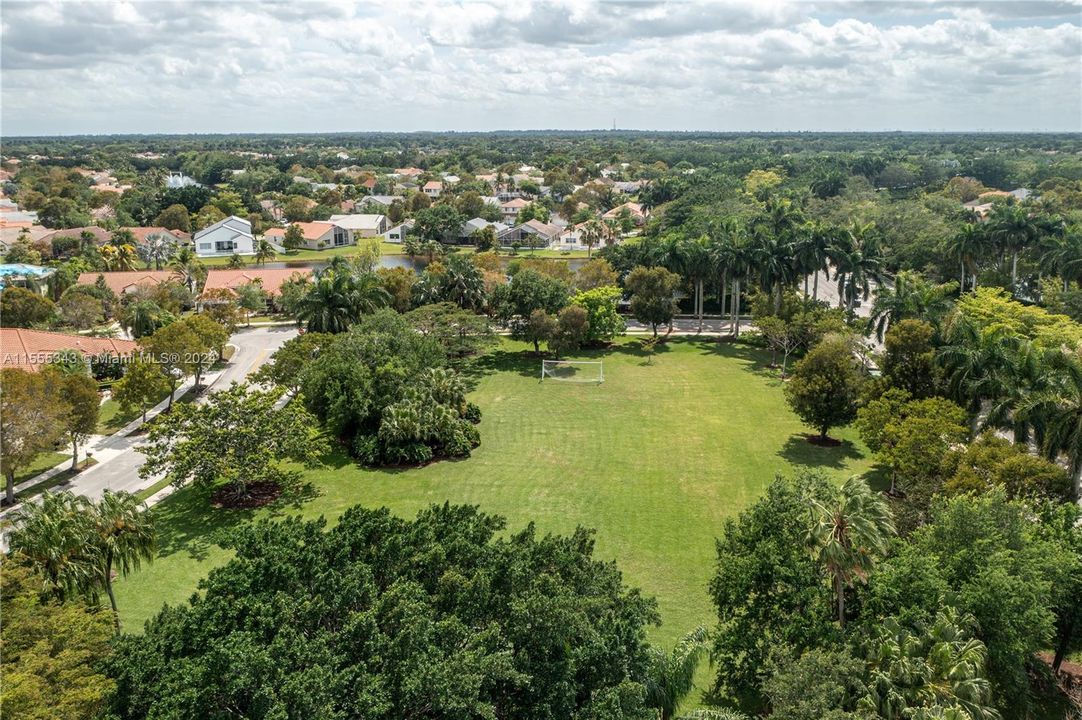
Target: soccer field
{"points": [[654, 459]]}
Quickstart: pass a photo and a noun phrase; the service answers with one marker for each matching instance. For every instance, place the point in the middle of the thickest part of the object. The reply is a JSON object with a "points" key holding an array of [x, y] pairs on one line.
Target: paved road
{"points": [[254, 347]]}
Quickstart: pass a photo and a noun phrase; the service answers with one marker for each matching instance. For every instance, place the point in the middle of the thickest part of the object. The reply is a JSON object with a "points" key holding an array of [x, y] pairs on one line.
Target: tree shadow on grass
{"points": [[799, 451], [523, 362], [188, 522]]}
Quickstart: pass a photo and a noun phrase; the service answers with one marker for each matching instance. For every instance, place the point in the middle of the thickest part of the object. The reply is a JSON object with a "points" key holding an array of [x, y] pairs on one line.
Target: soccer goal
{"points": [[583, 371]]}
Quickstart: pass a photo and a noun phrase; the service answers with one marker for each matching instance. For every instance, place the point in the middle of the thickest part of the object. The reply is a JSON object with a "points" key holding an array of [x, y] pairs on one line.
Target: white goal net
{"points": [[583, 371]]}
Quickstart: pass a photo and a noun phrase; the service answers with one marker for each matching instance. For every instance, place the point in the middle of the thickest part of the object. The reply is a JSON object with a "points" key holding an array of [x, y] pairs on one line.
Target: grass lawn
{"points": [[654, 459], [43, 462], [300, 255]]}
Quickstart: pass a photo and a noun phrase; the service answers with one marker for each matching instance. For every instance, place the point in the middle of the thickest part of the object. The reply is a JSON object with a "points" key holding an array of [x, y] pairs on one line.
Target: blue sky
{"points": [[307, 66]]}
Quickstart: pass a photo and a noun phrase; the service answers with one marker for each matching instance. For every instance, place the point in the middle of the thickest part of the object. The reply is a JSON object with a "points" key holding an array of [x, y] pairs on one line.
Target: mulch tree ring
{"points": [[822, 441], [258, 494]]}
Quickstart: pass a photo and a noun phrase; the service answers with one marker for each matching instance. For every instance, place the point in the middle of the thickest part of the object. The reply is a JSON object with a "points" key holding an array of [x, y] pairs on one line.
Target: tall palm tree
{"points": [[978, 365], [53, 536], [811, 255], [857, 265], [125, 538], [671, 674], [969, 246], [1013, 228], [849, 532], [157, 249], [912, 297], [592, 233], [264, 251], [1061, 255], [691, 258], [1056, 412], [776, 232]]}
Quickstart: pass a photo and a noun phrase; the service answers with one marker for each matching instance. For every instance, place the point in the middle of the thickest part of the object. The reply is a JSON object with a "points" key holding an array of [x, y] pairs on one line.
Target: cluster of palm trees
{"points": [[777, 249], [1011, 383], [1011, 230], [339, 295], [76, 545]]}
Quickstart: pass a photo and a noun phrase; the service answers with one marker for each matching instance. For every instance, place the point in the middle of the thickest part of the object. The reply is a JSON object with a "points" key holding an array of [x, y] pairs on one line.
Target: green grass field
{"points": [[654, 459]]}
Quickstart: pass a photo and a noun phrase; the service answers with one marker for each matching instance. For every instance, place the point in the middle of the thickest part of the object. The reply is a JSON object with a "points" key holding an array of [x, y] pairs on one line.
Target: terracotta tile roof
{"points": [[433, 185], [141, 233], [101, 235], [270, 278], [313, 230], [125, 281], [515, 203], [369, 183], [410, 171], [30, 349]]}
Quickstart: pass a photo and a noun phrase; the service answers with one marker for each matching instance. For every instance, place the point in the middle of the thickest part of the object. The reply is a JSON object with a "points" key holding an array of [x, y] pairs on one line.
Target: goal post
{"points": [[581, 371]]}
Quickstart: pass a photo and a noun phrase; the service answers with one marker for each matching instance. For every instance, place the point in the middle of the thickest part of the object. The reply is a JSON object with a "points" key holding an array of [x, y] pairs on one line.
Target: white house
{"points": [[225, 237], [398, 233], [432, 188], [361, 225], [317, 235]]}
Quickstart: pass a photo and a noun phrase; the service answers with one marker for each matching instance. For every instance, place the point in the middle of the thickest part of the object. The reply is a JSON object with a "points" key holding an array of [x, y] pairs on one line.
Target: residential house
{"points": [[408, 172], [225, 237], [317, 235], [270, 278], [369, 184], [381, 200], [532, 233], [398, 233], [125, 282], [31, 349], [510, 209], [465, 235], [362, 224], [638, 216], [432, 188], [101, 235]]}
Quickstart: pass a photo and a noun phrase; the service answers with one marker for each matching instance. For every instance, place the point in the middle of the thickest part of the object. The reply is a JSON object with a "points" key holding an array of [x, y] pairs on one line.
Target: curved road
{"points": [[121, 472]]}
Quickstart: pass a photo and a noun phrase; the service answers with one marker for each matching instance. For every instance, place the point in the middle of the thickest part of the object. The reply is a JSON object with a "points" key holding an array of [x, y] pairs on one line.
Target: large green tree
{"points": [[31, 421], [238, 438], [441, 617], [825, 386]]}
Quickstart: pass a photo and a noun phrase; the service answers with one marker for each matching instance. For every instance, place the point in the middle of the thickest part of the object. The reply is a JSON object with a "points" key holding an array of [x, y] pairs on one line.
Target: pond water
{"points": [[418, 264]]}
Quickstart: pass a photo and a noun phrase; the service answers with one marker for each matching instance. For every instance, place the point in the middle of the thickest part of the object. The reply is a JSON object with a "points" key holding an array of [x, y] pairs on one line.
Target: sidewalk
{"points": [[104, 448]]}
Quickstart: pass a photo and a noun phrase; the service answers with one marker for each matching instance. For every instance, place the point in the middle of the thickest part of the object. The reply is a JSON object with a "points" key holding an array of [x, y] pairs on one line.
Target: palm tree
{"points": [[157, 249], [670, 676], [1013, 229], [978, 366], [53, 537], [1056, 412], [463, 283], [125, 538], [776, 232], [592, 233], [857, 264], [188, 267], [969, 246], [811, 255], [1061, 255], [691, 258], [912, 297], [119, 257], [849, 531], [339, 297], [264, 251], [941, 667]]}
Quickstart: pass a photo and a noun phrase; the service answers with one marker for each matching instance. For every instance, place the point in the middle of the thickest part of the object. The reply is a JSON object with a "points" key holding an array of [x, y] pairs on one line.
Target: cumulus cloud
{"points": [[138, 66]]}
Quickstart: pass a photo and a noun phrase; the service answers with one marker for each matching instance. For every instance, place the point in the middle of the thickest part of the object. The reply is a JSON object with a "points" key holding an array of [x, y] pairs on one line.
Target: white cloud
{"points": [[735, 65]]}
